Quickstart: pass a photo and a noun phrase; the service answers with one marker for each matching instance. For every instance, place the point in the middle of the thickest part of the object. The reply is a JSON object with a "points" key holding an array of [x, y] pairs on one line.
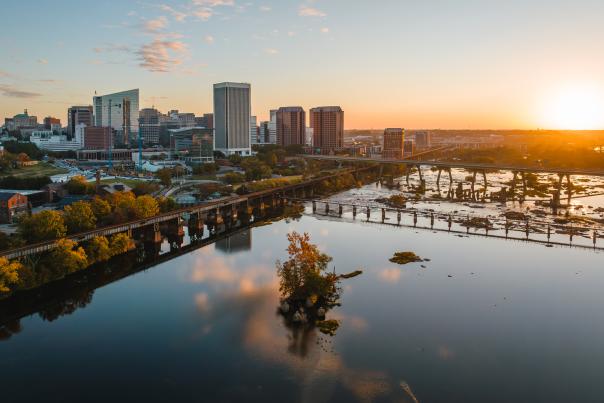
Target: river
{"points": [[484, 320]]}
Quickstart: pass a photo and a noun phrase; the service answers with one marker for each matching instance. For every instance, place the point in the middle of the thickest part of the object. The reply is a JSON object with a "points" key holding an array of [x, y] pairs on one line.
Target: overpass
{"points": [[462, 165]]}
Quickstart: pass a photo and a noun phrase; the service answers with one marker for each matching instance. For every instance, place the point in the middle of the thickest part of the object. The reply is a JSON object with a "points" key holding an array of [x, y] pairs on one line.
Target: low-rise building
{"points": [[194, 145], [11, 205]]}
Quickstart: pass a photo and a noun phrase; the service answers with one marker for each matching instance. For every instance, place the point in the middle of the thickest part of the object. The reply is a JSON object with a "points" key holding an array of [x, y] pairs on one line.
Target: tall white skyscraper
{"points": [[120, 111], [232, 115]]}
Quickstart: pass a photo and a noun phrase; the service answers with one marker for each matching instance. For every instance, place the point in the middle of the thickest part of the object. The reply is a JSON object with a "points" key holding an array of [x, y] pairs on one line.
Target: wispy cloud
{"points": [[265, 8], [209, 39], [325, 30], [271, 51], [307, 11], [10, 91], [156, 24], [204, 9], [177, 15], [161, 56], [42, 61]]}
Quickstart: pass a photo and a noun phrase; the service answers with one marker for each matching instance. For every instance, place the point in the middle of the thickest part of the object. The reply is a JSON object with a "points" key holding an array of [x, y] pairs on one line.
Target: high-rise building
{"points": [[408, 147], [272, 127], [393, 143], [232, 114], [79, 115], [263, 136], [254, 129], [98, 138], [327, 123], [148, 126], [291, 126], [120, 111], [422, 139]]}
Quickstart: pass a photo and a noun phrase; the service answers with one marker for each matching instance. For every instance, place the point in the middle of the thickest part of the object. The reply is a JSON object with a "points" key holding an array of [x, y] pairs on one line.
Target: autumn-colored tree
{"points": [[255, 169], [146, 206], [68, 256], [120, 243], [304, 274], [98, 250], [79, 217], [22, 157], [101, 209], [9, 274], [123, 205], [43, 226]]}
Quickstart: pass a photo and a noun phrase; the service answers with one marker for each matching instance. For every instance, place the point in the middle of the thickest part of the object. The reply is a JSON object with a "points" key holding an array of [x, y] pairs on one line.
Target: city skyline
{"points": [[436, 65]]}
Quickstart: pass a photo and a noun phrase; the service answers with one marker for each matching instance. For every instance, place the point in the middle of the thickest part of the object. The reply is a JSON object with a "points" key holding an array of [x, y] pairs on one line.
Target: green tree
{"points": [[97, 250], [165, 176], [43, 226], [69, 256], [255, 169], [166, 204], [9, 274], [145, 207], [233, 178], [120, 243], [235, 159], [78, 186], [79, 217]]}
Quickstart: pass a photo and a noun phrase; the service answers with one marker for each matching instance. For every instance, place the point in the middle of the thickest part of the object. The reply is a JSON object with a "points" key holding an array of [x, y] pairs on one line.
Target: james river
{"points": [[486, 320]]}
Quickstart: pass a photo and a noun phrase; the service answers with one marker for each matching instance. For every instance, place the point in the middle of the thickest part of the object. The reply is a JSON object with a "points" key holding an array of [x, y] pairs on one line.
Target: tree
{"points": [[43, 226], [145, 207], [79, 217], [120, 243], [101, 209], [294, 149], [233, 178], [304, 274], [9, 274], [165, 176], [22, 157], [68, 256], [166, 204], [255, 169], [98, 250], [78, 186], [235, 159], [145, 188], [123, 206]]}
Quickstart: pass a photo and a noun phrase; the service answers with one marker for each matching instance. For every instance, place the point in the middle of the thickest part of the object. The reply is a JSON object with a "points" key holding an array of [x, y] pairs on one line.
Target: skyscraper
{"points": [[291, 126], [120, 111], [232, 114], [77, 115], [148, 125], [393, 143], [327, 123]]}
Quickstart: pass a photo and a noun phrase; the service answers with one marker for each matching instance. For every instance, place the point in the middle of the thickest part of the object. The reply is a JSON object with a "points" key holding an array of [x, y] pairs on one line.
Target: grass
{"points": [[129, 182], [41, 169]]}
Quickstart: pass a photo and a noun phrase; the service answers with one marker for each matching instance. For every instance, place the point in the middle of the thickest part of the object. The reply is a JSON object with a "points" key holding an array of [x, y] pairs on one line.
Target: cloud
{"points": [[177, 15], [10, 91], [5, 74], [306, 11], [49, 81], [265, 8], [390, 275], [203, 14], [156, 24], [271, 51], [325, 30], [204, 8], [209, 39], [214, 3], [42, 61], [159, 56]]}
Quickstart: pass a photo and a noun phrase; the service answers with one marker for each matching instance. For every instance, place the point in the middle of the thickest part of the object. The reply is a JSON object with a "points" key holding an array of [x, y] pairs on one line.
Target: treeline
{"points": [[24, 183], [68, 256]]}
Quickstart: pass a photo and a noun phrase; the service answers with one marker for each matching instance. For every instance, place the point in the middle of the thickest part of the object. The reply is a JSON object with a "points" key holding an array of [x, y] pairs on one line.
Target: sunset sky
{"points": [[389, 63]]}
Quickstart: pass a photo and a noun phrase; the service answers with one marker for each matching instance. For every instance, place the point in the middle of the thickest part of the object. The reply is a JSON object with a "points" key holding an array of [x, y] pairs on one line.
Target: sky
{"points": [[449, 64]]}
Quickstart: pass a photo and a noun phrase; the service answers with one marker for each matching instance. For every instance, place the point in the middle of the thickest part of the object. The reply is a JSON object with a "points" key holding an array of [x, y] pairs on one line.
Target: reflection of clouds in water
{"points": [[390, 275], [249, 296], [202, 302], [445, 353], [324, 232]]}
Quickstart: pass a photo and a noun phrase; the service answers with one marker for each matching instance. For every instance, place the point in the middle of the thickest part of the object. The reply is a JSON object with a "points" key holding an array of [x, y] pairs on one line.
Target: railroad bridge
{"points": [[151, 232]]}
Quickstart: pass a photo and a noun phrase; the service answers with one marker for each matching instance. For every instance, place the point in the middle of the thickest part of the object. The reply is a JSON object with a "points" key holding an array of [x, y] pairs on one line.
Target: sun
{"points": [[575, 108]]}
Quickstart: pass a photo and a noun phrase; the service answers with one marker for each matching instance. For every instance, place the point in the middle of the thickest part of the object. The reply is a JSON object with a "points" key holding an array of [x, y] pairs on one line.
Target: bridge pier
{"points": [[383, 214], [175, 233], [354, 212], [195, 227]]}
